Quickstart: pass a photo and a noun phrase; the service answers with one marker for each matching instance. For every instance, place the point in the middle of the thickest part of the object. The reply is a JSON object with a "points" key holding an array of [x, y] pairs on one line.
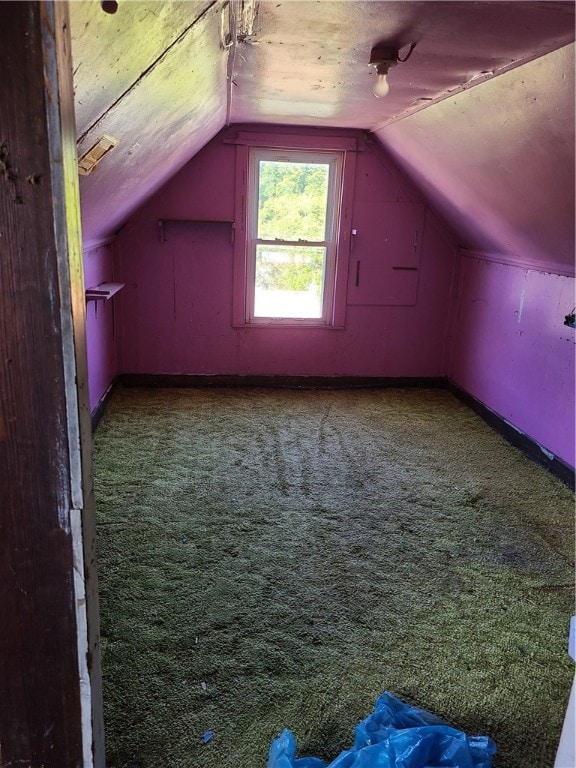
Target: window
{"points": [[294, 196], [291, 243]]}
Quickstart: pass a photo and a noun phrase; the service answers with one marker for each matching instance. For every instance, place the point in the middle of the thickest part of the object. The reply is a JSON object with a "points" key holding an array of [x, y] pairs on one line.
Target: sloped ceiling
{"points": [[153, 76], [163, 78], [498, 162], [308, 61]]}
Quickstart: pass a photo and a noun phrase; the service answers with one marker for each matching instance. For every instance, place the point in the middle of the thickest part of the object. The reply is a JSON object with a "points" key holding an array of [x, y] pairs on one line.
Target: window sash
{"points": [[334, 161], [306, 304]]}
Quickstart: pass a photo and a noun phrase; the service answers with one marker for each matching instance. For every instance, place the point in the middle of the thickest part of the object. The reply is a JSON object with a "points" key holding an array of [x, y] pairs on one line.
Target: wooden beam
{"points": [[50, 713]]}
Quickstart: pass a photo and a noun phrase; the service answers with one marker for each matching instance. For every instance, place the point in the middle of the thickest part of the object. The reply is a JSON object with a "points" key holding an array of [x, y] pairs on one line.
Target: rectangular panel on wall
{"points": [[385, 256]]}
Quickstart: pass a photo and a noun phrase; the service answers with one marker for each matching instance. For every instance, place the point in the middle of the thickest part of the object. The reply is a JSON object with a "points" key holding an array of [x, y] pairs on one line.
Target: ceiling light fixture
{"points": [[383, 58]]}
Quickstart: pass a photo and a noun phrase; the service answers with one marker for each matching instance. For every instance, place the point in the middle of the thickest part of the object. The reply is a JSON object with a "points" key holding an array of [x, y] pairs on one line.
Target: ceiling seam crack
{"points": [[242, 24], [231, 60]]}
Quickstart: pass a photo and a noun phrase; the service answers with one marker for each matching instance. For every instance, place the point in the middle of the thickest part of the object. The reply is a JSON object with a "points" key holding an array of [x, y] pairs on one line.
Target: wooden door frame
{"points": [[50, 680]]}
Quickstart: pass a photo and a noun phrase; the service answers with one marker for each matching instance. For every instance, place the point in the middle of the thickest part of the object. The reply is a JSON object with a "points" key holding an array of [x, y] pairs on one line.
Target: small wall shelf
{"points": [[103, 292], [162, 222]]}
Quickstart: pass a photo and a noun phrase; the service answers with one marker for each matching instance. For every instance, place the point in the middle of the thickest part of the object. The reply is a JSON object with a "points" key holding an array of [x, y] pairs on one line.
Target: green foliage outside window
{"points": [[289, 268], [292, 201]]}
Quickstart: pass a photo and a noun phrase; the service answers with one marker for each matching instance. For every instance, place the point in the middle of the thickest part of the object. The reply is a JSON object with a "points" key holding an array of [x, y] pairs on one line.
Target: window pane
{"points": [[289, 281], [292, 199]]}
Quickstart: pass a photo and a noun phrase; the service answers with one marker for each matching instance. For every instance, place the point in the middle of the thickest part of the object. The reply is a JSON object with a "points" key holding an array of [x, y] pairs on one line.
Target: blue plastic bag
{"points": [[395, 735]]}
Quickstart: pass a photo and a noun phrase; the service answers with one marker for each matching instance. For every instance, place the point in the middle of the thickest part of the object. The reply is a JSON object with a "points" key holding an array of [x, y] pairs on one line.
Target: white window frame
{"points": [[344, 146], [334, 162]]}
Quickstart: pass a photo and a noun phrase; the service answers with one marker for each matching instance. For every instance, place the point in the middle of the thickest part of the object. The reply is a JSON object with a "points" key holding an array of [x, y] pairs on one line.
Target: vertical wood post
{"points": [[50, 701]]}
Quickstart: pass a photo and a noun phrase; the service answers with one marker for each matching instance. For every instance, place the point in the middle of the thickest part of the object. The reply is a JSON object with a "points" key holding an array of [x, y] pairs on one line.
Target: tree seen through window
{"points": [[291, 237]]}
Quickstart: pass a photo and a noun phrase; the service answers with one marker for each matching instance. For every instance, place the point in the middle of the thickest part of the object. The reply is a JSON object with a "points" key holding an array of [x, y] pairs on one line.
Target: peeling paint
{"points": [[521, 307], [82, 630], [547, 453]]}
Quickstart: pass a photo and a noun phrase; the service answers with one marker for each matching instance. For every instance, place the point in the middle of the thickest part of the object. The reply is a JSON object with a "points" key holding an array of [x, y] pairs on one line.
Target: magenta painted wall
{"points": [[497, 331], [513, 353], [100, 342], [176, 309]]}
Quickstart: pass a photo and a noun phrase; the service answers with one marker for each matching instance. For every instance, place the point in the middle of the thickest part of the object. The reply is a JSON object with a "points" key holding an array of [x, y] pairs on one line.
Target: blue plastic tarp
{"points": [[395, 735]]}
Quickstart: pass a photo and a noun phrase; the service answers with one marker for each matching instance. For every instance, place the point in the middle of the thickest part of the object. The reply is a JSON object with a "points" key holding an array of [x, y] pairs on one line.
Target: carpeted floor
{"points": [[272, 558]]}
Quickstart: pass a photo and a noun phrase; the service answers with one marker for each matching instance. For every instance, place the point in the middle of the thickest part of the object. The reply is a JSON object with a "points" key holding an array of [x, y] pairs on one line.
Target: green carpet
{"points": [[272, 558]]}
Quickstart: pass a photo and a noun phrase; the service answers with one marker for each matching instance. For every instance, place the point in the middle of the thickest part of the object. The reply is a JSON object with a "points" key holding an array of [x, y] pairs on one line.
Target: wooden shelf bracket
{"points": [[103, 292]]}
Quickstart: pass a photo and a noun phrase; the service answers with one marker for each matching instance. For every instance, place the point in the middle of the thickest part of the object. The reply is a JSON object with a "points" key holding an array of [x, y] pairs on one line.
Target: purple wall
{"points": [[177, 304], [497, 162], [100, 342], [513, 353], [500, 337]]}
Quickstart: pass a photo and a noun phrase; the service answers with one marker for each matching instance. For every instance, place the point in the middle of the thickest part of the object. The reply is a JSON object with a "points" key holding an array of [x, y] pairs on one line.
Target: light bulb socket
{"points": [[383, 58]]}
